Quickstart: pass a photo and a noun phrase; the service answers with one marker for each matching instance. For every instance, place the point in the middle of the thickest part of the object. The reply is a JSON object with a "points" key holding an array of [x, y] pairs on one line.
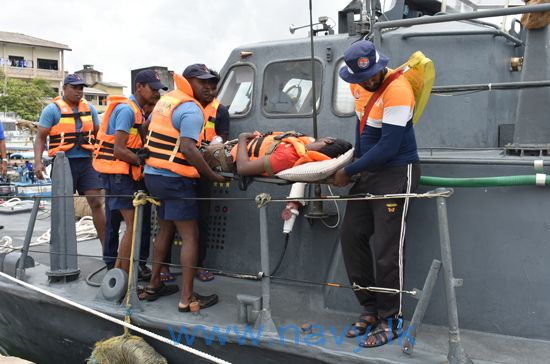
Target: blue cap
{"points": [[362, 62], [152, 78], [74, 79], [198, 70]]}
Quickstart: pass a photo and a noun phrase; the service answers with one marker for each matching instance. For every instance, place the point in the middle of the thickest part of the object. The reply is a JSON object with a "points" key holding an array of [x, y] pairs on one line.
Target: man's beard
{"points": [[375, 87]]}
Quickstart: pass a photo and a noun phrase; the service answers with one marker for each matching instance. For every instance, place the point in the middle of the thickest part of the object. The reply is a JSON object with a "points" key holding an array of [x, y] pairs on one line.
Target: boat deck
{"points": [[292, 306]]}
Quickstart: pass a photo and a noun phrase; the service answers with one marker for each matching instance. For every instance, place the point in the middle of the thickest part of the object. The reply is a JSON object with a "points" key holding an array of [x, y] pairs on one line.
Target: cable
{"points": [[337, 213], [89, 277], [282, 255]]}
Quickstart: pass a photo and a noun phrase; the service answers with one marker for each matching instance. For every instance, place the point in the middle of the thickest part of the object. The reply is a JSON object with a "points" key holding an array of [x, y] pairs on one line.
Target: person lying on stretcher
{"points": [[267, 154]]}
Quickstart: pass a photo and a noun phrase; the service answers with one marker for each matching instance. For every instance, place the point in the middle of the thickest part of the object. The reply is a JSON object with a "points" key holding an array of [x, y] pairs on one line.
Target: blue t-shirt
{"points": [[122, 118], [2, 137], [189, 120], [50, 117]]}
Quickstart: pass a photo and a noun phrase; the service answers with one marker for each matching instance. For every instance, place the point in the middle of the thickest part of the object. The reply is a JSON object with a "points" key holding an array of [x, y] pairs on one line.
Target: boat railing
{"points": [[377, 28]]}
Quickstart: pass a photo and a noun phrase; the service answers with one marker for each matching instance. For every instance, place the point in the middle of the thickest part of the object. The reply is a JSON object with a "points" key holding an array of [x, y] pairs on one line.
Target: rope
{"points": [[140, 199], [402, 237], [14, 202], [337, 213], [85, 230], [363, 196], [116, 321]]}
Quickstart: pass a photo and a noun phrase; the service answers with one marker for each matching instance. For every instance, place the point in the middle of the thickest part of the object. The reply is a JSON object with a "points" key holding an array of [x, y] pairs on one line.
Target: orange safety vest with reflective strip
{"points": [[104, 154], [163, 140], [63, 135], [264, 145], [209, 128]]}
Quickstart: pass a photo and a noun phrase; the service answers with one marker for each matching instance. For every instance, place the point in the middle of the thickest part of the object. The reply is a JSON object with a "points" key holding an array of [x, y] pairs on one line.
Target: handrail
{"points": [[455, 17], [493, 32]]}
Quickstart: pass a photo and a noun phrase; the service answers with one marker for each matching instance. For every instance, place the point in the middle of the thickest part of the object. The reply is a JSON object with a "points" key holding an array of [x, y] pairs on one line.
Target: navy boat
{"points": [[477, 248]]}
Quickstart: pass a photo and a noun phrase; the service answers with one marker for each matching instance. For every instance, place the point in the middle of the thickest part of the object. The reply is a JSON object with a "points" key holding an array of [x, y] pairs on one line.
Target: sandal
{"points": [[167, 277], [360, 327], [204, 276], [382, 336], [152, 294], [204, 302]]}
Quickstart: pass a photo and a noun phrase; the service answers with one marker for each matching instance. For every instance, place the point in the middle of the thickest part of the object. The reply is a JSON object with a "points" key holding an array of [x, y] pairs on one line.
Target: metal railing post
{"points": [[456, 354]]}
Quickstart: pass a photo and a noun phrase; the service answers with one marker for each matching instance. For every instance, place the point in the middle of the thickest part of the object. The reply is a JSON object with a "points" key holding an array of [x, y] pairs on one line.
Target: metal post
{"points": [[20, 272], [456, 355], [265, 321], [409, 340], [63, 249]]}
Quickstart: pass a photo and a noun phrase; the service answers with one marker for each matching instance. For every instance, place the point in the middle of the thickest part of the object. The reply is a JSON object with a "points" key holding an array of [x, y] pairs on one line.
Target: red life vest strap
{"points": [[375, 96]]}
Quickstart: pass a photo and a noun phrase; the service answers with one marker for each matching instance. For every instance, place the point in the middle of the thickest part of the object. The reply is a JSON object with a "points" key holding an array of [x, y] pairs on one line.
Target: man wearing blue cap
{"points": [[71, 124], [387, 159], [171, 174], [119, 158]]}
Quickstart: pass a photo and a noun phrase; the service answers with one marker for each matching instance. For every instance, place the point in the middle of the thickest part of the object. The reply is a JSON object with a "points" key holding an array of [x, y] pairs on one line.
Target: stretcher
{"points": [[313, 172]]}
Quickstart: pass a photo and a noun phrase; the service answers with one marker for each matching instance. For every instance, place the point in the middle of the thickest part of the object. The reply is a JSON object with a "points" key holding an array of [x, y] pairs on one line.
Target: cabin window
{"points": [[287, 87], [236, 90], [343, 101]]}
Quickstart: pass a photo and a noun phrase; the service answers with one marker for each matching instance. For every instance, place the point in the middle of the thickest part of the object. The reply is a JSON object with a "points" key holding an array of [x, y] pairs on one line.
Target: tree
{"points": [[26, 99]]}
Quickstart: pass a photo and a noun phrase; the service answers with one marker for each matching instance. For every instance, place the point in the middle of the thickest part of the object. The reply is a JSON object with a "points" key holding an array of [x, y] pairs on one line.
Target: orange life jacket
{"points": [[163, 140], [209, 128], [63, 135], [264, 145], [104, 154]]}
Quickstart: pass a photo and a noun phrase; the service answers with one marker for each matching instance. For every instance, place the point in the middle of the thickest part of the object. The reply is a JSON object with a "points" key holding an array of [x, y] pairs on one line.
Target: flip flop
{"points": [[167, 277], [383, 335], [153, 294], [204, 275], [359, 328], [204, 302]]}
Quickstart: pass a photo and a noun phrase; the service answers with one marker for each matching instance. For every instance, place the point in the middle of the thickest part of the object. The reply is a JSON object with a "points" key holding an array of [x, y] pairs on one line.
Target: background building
{"points": [[98, 90], [27, 57], [166, 76]]}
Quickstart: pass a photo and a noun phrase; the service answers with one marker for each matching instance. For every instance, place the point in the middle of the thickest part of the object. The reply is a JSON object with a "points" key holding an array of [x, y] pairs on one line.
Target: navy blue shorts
{"points": [[177, 197], [85, 177], [117, 186]]}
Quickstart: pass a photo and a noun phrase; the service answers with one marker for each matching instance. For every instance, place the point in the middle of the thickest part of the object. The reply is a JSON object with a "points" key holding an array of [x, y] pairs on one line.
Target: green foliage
{"points": [[27, 99]]}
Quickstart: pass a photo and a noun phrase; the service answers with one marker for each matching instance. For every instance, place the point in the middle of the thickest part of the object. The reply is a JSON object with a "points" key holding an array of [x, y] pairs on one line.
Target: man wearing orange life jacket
{"points": [[71, 124], [171, 172], [217, 115], [118, 159], [387, 158], [216, 130]]}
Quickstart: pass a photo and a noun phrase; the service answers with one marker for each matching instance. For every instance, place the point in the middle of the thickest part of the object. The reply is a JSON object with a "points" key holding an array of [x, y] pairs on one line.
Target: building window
{"points": [[287, 87], [102, 100], [236, 91], [16, 61], [89, 98], [47, 64]]}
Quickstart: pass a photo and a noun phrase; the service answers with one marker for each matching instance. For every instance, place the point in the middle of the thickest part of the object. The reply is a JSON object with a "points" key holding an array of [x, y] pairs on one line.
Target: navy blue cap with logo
{"points": [[200, 71], [151, 78], [74, 79], [362, 62]]}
